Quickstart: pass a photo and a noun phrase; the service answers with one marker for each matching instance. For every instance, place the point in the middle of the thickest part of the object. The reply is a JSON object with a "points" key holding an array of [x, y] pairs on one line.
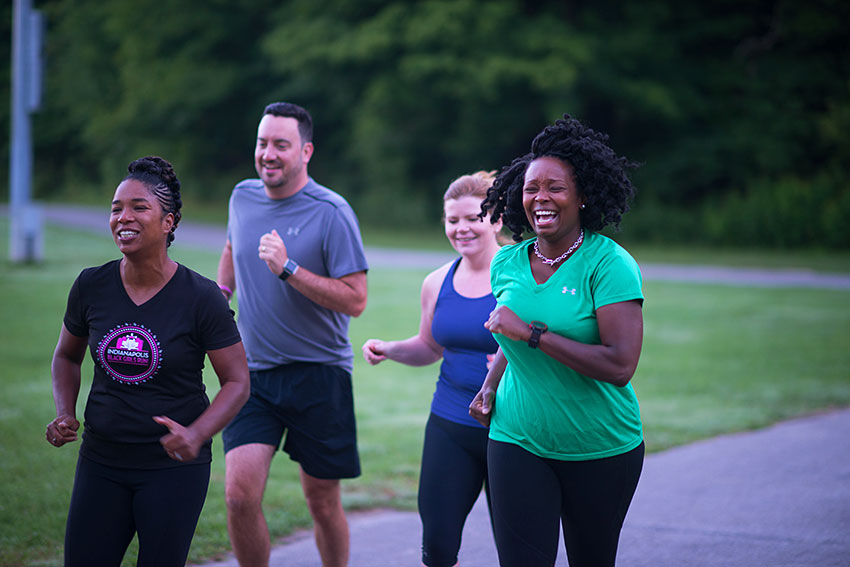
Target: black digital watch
{"points": [[537, 329]]}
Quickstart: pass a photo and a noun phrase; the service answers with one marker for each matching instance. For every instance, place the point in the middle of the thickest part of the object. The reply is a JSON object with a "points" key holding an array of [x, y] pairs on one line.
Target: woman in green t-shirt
{"points": [[566, 442]]}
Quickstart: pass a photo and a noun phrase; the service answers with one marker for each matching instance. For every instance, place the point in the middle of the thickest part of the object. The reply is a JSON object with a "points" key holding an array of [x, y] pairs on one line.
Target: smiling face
{"points": [[552, 200], [467, 233], [279, 156], [137, 221]]}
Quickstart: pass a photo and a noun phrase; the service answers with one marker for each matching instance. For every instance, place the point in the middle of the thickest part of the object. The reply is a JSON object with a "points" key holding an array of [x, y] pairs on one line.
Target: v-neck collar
{"points": [[565, 265], [150, 299]]}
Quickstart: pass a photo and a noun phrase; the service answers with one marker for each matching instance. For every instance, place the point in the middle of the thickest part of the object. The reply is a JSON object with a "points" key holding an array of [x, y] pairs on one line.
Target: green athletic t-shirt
{"points": [[541, 404]]}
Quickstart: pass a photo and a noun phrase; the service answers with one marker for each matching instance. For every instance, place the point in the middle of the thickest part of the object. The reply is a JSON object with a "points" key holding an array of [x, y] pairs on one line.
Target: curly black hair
{"points": [[159, 176], [599, 172]]}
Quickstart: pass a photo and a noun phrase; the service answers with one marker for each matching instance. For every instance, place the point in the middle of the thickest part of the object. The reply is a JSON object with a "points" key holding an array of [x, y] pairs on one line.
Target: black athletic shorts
{"points": [[312, 406]]}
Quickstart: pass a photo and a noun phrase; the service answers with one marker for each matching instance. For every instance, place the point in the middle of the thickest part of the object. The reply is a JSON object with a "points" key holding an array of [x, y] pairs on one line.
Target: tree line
{"points": [[738, 110]]}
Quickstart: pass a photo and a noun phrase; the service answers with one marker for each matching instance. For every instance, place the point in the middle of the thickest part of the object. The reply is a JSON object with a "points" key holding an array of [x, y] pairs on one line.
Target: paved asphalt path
{"points": [[777, 497]]}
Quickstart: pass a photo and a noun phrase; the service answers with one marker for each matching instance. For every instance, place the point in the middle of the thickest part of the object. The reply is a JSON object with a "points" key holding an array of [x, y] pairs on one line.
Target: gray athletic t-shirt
{"points": [[321, 233]]}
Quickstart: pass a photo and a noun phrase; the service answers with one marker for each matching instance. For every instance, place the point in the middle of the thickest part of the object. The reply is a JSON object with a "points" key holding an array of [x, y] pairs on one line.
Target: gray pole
{"points": [[25, 238]]}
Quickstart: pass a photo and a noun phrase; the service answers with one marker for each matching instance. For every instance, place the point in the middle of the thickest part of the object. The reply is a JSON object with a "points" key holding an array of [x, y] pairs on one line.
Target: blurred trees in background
{"points": [[739, 110]]}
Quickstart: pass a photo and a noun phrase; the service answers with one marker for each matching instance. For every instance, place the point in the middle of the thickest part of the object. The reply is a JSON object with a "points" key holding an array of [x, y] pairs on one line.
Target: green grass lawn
{"points": [[716, 359]]}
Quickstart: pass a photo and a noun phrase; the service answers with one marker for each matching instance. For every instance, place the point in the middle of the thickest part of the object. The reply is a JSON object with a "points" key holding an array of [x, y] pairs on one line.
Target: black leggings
{"points": [[454, 467], [109, 505], [531, 494]]}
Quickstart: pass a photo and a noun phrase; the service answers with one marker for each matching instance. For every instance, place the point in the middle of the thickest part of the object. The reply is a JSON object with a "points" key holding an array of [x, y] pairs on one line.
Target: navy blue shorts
{"points": [[312, 406]]}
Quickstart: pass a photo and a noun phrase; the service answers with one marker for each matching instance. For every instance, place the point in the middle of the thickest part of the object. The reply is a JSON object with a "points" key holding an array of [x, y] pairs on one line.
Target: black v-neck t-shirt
{"points": [[148, 361]]}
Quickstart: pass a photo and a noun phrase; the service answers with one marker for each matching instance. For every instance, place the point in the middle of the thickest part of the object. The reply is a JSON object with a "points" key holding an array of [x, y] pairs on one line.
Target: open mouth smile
{"points": [[545, 217]]}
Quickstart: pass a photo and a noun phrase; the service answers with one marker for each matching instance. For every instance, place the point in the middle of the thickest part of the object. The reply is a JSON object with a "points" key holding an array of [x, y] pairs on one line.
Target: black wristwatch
{"points": [[537, 329], [289, 268]]}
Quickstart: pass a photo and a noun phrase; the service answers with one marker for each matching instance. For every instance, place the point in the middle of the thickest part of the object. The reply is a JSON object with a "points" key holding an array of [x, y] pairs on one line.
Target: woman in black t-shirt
{"points": [[149, 323]]}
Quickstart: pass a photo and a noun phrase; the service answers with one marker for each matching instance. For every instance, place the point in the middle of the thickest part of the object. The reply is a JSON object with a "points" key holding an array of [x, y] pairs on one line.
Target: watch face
{"points": [[538, 325]]}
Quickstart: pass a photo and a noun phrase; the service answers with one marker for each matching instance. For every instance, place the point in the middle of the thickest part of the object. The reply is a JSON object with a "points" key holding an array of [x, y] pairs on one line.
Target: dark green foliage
{"points": [[178, 79], [739, 110]]}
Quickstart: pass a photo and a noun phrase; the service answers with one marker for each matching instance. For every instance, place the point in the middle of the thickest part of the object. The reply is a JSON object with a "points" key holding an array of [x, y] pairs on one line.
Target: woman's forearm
{"points": [[615, 359], [224, 407], [66, 386], [413, 352], [231, 367], [65, 370]]}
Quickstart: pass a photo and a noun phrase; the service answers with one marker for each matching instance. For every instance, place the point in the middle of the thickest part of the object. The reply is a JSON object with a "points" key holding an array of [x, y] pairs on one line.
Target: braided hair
{"points": [[600, 176], [158, 175]]}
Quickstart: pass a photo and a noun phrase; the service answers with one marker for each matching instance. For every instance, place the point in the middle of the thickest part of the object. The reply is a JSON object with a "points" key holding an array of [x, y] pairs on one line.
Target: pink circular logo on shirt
{"points": [[130, 354]]}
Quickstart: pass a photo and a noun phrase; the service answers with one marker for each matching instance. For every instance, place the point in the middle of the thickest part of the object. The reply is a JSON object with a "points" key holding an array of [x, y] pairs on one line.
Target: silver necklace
{"points": [[553, 261]]}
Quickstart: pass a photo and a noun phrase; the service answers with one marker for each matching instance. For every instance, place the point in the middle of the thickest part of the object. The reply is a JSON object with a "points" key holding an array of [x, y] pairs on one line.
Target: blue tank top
{"points": [[458, 327]]}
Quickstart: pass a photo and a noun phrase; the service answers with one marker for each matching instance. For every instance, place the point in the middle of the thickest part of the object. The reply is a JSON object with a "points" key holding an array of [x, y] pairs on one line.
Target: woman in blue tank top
{"points": [[456, 301]]}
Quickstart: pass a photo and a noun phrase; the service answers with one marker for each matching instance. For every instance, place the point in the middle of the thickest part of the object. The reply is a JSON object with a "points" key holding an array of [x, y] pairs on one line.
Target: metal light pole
{"points": [[26, 241]]}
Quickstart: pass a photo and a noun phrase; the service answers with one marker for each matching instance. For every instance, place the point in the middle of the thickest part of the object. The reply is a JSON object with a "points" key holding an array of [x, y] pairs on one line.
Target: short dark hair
{"points": [[290, 110], [599, 172], [158, 175]]}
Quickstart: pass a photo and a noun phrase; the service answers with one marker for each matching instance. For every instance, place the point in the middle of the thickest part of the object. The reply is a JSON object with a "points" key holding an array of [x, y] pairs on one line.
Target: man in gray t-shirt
{"points": [[294, 257]]}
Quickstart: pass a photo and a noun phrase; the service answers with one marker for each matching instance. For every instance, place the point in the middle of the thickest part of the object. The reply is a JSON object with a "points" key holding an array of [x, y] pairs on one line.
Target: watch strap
{"points": [[537, 329], [289, 268]]}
